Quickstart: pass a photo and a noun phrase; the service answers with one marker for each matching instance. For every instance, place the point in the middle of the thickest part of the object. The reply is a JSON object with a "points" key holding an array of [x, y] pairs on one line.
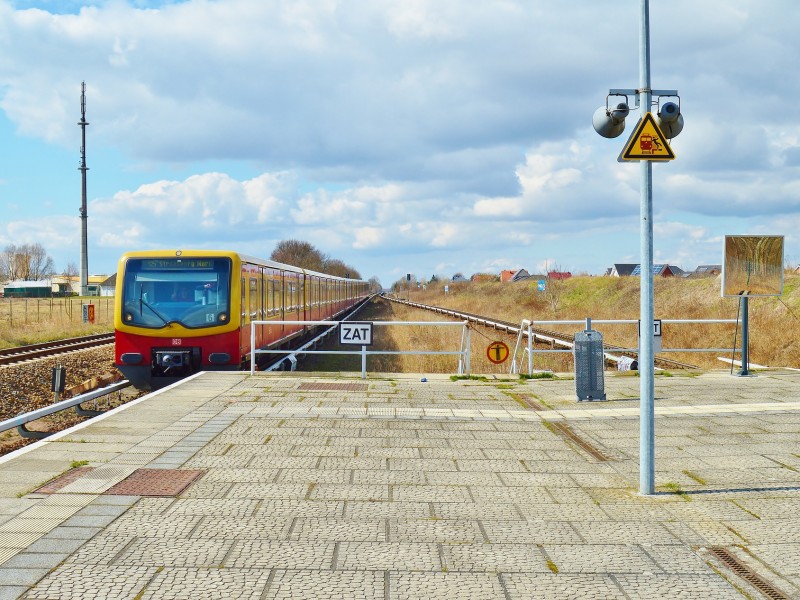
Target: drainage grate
{"points": [[746, 573], [155, 482], [333, 387], [567, 432], [62, 481]]}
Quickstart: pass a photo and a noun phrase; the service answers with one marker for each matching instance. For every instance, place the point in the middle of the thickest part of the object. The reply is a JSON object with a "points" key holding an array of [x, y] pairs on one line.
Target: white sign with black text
{"points": [[355, 333], [656, 335]]}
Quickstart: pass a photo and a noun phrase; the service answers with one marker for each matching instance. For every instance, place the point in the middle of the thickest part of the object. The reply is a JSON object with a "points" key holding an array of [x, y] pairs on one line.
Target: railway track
{"points": [[539, 334], [10, 356]]}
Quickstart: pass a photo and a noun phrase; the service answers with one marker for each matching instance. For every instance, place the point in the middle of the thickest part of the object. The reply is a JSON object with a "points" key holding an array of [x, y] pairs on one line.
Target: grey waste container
{"points": [[589, 365]]}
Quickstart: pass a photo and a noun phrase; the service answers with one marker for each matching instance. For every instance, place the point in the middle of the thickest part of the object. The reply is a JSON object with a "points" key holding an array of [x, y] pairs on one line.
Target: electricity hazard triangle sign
{"points": [[647, 142]]}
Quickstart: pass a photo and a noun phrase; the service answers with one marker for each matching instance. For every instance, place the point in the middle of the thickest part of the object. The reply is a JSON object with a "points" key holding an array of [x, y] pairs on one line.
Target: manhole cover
{"points": [[333, 387], [62, 481], [155, 482]]}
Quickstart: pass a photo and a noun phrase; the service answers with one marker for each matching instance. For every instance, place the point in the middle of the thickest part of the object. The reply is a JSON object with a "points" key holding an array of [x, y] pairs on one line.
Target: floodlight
{"points": [[670, 119], [610, 123]]}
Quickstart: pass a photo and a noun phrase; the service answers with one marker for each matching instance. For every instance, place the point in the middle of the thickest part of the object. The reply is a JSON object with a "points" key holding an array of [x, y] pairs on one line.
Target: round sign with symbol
{"points": [[497, 352]]}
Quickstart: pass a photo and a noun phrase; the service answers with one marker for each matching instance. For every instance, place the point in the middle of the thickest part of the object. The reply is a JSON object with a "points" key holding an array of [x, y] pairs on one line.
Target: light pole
{"points": [[646, 144]]}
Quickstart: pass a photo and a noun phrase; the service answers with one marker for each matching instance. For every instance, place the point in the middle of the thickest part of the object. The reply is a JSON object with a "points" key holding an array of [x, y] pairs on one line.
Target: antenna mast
{"points": [[84, 215]]}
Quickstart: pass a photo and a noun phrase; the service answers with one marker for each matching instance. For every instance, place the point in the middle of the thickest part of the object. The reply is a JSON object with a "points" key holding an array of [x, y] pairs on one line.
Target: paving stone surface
{"points": [[395, 488]]}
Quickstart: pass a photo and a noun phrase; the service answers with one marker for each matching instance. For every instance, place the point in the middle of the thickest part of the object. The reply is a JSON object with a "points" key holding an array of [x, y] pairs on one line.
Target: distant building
{"points": [[558, 275], [518, 275], [70, 285], [621, 269], [706, 271], [109, 286], [28, 289], [458, 277], [662, 270]]}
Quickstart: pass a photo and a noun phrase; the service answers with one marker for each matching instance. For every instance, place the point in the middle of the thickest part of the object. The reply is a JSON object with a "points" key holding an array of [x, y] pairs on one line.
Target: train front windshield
{"points": [[194, 292]]}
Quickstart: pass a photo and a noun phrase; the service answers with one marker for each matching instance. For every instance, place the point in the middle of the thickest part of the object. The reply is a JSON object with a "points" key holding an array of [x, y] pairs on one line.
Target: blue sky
{"points": [[401, 136]]}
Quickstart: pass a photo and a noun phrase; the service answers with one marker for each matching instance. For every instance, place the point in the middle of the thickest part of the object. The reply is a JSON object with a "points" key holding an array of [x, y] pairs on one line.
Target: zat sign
{"points": [[355, 333]]}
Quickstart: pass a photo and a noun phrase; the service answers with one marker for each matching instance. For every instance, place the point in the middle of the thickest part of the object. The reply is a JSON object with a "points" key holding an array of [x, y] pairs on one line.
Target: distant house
{"points": [[558, 275], [458, 277], [109, 286], [518, 275], [483, 277], [65, 285], [70, 285], [706, 271], [662, 270], [621, 269], [506, 275]]}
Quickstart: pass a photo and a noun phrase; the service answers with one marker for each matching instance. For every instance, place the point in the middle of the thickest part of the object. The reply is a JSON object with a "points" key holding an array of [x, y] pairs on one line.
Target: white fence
{"points": [[462, 353], [527, 326]]}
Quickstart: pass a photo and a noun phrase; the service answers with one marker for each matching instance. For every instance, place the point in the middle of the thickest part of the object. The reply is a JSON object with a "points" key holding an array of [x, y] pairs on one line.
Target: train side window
{"points": [[254, 298], [243, 302]]}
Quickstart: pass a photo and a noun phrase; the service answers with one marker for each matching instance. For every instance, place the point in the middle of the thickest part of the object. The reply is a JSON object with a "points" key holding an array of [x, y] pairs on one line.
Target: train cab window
{"points": [[194, 292]]}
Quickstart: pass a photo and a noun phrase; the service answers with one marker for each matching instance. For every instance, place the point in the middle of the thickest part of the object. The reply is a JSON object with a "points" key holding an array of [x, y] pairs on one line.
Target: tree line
{"points": [[306, 256], [26, 262]]}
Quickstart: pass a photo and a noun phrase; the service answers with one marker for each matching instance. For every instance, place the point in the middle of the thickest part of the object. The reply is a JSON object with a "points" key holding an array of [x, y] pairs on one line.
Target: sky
{"points": [[429, 137]]}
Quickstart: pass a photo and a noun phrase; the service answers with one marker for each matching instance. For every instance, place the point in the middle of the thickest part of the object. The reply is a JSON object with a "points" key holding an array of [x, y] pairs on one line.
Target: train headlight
{"points": [[223, 317], [128, 317]]}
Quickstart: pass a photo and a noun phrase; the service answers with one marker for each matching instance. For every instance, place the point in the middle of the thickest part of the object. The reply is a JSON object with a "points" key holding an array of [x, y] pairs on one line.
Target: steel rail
{"points": [[19, 354]]}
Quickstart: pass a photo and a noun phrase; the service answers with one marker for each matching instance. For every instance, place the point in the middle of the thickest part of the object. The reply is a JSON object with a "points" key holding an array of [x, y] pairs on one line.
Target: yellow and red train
{"points": [[182, 311]]}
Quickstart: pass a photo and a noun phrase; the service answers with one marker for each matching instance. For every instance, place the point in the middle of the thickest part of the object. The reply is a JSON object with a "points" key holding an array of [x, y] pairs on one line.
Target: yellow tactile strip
{"points": [[155, 482]]}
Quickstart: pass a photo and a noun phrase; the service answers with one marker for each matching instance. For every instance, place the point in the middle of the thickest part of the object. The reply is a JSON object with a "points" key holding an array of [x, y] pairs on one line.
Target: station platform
{"points": [[288, 485]]}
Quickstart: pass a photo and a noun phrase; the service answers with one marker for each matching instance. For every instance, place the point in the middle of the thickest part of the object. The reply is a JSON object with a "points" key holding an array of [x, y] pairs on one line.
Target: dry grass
{"points": [[774, 322], [32, 320]]}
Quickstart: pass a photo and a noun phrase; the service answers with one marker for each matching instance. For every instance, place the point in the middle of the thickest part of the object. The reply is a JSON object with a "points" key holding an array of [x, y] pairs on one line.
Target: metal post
{"points": [[363, 362], [745, 337], [588, 323], [84, 272], [530, 348], [469, 344], [646, 306], [252, 349]]}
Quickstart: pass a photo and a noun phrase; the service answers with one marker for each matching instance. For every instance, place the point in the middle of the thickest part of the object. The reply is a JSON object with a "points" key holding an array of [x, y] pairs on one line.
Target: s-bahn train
{"points": [[182, 311]]}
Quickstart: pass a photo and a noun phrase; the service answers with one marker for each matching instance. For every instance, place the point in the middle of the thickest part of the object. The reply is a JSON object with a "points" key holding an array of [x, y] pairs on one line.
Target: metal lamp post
{"points": [[609, 122]]}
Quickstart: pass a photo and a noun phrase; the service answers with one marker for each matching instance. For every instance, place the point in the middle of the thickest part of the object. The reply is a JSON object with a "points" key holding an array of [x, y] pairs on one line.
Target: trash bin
{"points": [[589, 365]]}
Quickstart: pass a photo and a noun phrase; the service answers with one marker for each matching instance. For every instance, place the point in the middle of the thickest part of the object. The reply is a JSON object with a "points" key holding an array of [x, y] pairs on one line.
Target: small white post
{"points": [[363, 362], [469, 344], [252, 349], [530, 349]]}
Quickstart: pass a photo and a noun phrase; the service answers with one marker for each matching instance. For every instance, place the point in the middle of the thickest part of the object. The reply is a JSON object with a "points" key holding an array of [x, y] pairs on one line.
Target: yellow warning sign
{"points": [[647, 142]]}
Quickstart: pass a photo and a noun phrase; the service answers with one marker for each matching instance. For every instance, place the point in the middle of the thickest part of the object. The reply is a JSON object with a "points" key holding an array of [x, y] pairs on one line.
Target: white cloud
{"points": [[209, 205], [436, 129]]}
